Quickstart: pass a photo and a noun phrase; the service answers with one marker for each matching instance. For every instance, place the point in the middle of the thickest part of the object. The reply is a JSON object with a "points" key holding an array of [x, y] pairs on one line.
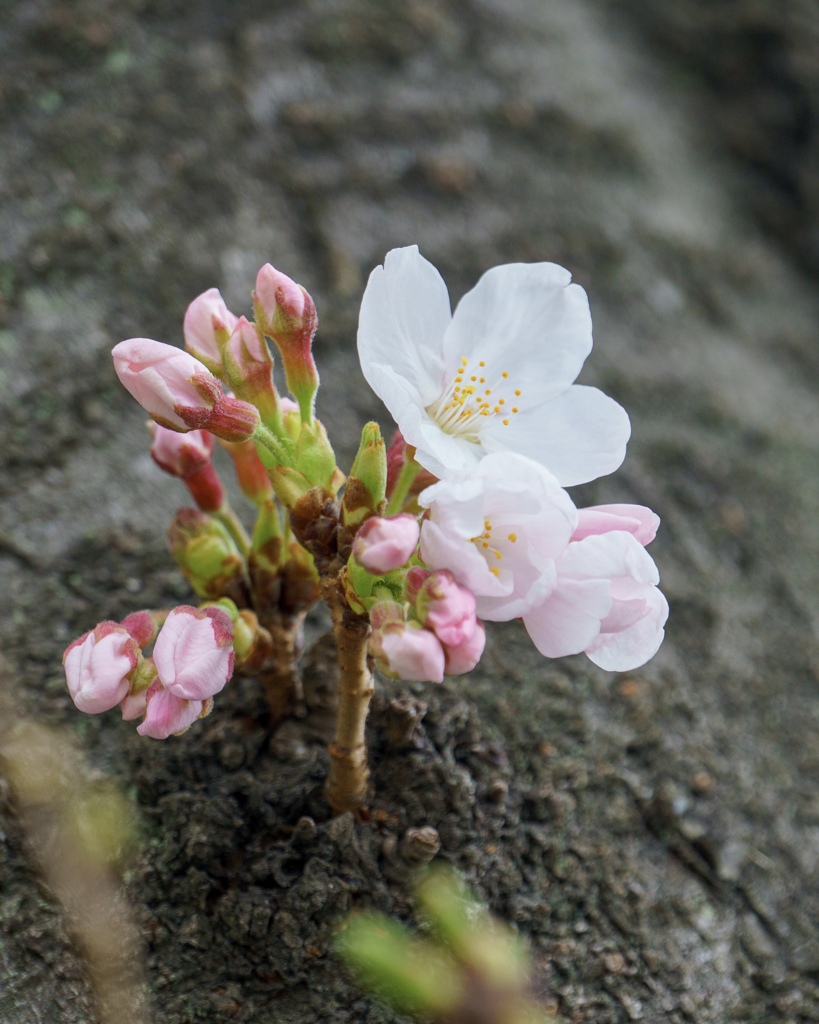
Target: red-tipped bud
{"points": [[287, 314], [98, 666], [179, 392]]}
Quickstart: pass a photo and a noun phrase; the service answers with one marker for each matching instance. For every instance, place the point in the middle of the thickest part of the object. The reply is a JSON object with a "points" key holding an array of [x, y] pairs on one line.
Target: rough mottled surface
{"points": [[657, 835]]}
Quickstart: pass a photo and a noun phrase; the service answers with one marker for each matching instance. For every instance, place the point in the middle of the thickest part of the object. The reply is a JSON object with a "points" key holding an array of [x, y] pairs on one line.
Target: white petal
{"points": [[527, 319], [609, 556], [569, 619], [404, 314], [633, 647], [578, 435]]}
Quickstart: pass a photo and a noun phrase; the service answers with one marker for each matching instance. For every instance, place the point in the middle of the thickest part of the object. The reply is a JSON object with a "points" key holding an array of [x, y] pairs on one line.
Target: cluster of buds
{"points": [[463, 519]]}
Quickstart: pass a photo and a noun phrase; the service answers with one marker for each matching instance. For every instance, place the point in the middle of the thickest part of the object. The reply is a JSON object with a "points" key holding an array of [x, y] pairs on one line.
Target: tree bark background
{"points": [[656, 835]]}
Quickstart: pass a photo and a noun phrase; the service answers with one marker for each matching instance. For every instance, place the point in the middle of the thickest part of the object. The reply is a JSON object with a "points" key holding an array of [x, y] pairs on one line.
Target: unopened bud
{"points": [[408, 651], [446, 607], [386, 543], [249, 371], [98, 666], [208, 325], [287, 314], [205, 552]]}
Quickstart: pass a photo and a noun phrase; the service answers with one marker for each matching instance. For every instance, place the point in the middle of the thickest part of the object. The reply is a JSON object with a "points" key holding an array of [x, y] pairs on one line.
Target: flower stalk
{"points": [[348, 780]]}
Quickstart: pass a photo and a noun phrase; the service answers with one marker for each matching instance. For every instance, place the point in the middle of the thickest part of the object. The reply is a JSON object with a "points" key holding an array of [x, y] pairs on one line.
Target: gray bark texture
{"points": [[656, 835]]}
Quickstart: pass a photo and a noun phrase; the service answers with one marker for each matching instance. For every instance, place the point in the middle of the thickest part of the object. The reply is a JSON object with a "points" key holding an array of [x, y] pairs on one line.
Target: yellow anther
{"points": [[464, 360], [501, 401], [498, 554], [494, 571], [517, 392], [506, 423], [488, 391], [514, 408], [504, 374], [485, 544], [482, 363], [483, 380], [473, 378], [513, 537], [496, 409]]}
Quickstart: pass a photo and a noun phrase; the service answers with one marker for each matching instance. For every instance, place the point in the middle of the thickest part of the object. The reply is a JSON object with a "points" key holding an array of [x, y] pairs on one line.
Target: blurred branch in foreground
{"points": [[80, 831], [472, 969]]}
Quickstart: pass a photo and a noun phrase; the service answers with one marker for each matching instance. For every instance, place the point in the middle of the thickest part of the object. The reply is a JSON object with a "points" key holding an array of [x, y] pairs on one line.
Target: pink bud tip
{"points": [[207, 322], [194, 652], [447, 608], [466, 655], [275, 291], [180, 454], [97, 666], [386, 543], [407, 651], [171, 385], [141, 627]]}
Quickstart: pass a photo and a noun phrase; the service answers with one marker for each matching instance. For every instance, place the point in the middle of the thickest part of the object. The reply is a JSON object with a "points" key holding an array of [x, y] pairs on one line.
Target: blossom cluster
{"points": [[463, 519], [486, 401], [191, 662]]}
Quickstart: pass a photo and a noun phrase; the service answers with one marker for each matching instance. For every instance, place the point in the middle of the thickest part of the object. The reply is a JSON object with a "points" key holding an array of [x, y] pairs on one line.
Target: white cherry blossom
{"points": [[499, 529], [495, 377]]}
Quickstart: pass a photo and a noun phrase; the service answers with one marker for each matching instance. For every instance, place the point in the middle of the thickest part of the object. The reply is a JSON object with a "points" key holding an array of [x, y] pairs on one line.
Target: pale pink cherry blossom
{"points": [[637, 520], [168, 715], [499, 529], [179, 392], [384, 543], [193, 653], [207, 326], [405, 650], [445, 607], [98, 665], [606, 603], [496, 376], [467, 654]]}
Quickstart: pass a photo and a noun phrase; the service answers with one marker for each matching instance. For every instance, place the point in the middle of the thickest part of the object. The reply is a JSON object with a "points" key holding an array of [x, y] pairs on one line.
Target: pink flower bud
{"points": [[179, 392], [207, 327], [180, 454], [168, 715], [447, 608], [465, 656], [141, 626], [407, 651], [386, 543], [194, 652], [187, 456], [280, 297], [97, 666], [287, 314]]}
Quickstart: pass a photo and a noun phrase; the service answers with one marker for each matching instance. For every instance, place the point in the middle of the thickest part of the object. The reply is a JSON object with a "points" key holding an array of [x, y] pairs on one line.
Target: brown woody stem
{"points": [[281, 680], [349, 774]]}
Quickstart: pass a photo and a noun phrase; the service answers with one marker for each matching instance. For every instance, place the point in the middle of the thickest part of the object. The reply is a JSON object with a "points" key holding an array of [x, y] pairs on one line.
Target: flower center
{"points": [[466, 406], [488, 547]]}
